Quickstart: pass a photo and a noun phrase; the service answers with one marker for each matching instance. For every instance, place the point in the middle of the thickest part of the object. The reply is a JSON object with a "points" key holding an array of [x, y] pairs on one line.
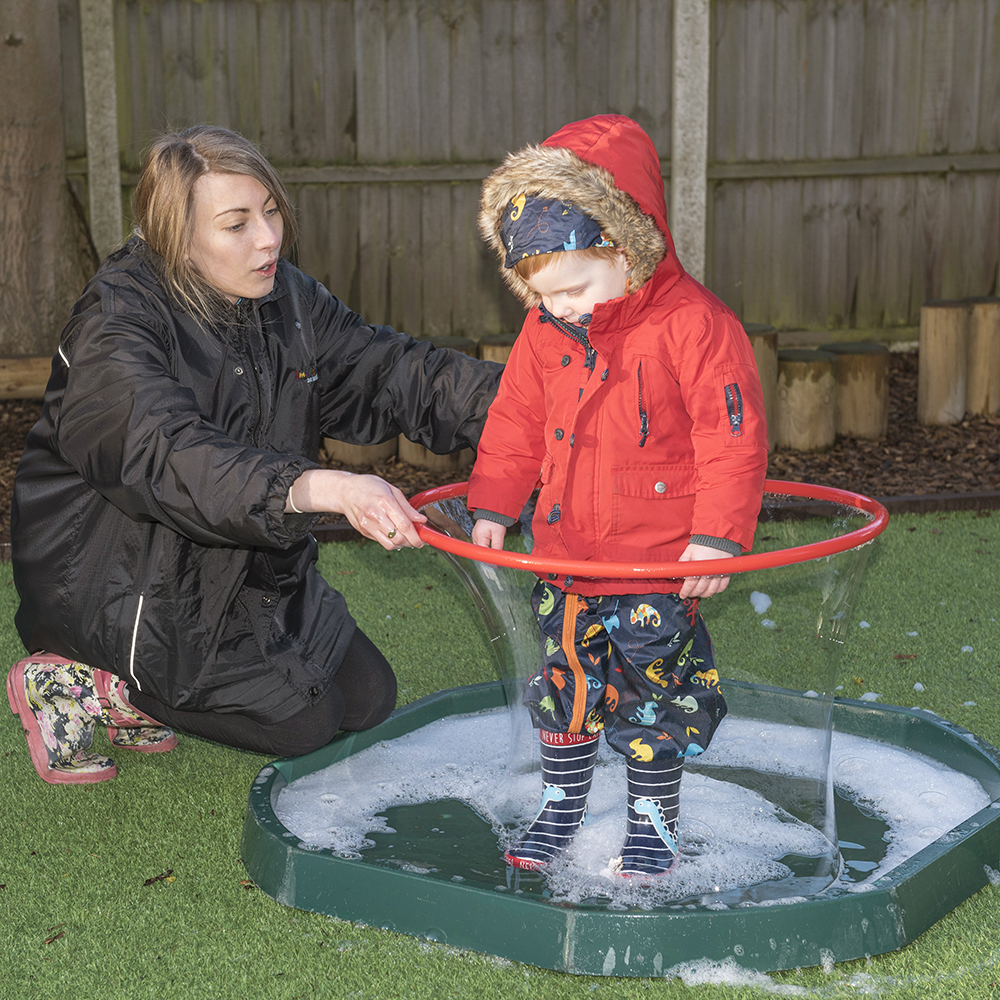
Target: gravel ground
{"points": [[912, 460]]}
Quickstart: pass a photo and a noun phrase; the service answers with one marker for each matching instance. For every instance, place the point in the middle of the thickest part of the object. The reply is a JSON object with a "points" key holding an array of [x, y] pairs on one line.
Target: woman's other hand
{"points": [[374, 508]]}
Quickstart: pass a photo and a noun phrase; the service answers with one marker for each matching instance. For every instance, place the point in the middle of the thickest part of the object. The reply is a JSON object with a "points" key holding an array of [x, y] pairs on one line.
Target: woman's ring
{"points": [[391, 534]]}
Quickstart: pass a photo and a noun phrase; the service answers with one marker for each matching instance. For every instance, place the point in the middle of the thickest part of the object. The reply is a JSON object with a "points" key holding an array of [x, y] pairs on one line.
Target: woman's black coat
{"points": [[148, 529]]}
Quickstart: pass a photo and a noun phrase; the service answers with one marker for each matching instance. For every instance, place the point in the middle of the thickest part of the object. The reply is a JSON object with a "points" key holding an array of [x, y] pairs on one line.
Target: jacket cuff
{"points": [[482, 514], [733, 548], [288, 527]]}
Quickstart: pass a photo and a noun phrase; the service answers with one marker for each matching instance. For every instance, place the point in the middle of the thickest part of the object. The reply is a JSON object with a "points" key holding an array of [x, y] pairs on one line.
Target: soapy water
{"points": [[442, 801]]}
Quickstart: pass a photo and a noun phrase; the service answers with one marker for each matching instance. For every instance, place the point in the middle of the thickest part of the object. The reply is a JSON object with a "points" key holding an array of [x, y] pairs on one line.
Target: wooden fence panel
{"points": [[788, 142], [885, 224], [966, 76], [527, 84], [242, 33], [725, 245], [891, 78], [385, 115], [437, 258], [371, 45], [758, 241], [989, 96], [467, 82], [71, 64], [557, 64], [406, 300], [654, 46], [786, 257], [496, 65], [406, 134], [983, 235]]}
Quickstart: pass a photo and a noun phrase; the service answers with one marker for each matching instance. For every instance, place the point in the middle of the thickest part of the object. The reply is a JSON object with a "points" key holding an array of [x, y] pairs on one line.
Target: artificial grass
{"points": [[76, 915]]}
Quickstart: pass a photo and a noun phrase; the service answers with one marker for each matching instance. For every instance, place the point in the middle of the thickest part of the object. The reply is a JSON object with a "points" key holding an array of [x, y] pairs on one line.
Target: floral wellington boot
{"points": [[57, 704], [129, 728]]}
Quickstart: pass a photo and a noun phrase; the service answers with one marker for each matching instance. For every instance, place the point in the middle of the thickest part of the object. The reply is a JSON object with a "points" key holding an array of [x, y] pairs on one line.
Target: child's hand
{"points": [[488, 534], [703, 586]]}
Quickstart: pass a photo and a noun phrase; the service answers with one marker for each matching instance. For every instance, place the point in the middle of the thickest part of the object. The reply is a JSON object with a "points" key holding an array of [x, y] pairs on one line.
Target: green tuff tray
{"points": [[836, 924]]}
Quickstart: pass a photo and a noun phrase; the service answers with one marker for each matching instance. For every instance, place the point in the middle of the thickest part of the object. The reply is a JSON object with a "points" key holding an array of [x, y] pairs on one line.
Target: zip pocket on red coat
{"points": [[643, 416], [734, 407]]}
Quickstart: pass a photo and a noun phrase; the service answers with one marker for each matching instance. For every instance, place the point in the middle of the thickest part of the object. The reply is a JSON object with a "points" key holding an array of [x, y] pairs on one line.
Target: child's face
{"points": [[571, 285]]}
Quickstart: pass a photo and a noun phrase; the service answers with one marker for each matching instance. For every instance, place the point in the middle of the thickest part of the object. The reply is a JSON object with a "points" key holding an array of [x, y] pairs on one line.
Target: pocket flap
{"points": [[654, 482]]}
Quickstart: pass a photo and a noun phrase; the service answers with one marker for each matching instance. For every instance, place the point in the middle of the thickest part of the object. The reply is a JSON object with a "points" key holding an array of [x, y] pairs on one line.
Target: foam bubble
{"points": [[760, 602], [729, 973], [731, 836]]}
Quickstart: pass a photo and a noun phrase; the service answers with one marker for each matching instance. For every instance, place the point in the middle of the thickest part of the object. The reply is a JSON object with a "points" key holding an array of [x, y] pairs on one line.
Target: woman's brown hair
{"points": [[164, 204]]}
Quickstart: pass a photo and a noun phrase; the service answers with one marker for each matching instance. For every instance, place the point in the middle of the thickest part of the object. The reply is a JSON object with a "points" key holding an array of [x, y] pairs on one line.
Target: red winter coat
{"points": [[664, 439]]}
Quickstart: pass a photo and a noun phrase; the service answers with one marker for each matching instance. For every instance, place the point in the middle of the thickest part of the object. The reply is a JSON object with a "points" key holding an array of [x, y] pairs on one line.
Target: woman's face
{"points": [[237, 235]]}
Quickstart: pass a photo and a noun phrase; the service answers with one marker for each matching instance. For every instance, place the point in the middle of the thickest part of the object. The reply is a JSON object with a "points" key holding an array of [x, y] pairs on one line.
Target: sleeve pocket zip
{"points": [[734, 406]]}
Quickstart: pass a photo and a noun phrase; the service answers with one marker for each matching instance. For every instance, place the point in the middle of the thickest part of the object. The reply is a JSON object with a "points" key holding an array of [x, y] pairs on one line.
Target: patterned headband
{"points": [[533, 225]]}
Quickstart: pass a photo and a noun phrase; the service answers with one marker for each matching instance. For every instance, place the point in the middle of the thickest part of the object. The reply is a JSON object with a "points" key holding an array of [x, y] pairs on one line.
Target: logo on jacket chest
{"points": [[309, 374]]}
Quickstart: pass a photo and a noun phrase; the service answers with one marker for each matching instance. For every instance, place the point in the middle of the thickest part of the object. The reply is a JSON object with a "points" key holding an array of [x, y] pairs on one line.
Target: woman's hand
{"points": [[488, 534], [703, 586], [375, 508]]}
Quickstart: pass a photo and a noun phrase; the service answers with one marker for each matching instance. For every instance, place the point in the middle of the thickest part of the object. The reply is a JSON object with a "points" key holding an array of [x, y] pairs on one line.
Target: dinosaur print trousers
{"points": [[639, 666]]}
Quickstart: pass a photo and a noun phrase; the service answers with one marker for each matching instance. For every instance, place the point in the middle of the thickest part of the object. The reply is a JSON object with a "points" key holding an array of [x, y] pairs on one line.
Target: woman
{"points": [[163, 503]]}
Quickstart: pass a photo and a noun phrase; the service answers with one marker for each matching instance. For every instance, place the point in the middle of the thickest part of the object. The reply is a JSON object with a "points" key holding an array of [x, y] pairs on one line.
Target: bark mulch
{"points": [[912, 461]]}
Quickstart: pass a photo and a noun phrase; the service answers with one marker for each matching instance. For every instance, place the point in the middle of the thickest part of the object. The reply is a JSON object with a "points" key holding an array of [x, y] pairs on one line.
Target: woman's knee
{"points": [[367, 683]]}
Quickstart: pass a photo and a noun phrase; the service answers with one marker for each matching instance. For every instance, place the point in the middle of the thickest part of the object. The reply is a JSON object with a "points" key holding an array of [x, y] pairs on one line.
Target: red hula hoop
{"points": [[674, 570]]}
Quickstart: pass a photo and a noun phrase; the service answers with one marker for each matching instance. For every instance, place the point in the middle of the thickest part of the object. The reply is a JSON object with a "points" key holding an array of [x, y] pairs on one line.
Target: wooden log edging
{"points": [[862, 389], [806, 417], [982, 385], [942, 370], [764, 341]]}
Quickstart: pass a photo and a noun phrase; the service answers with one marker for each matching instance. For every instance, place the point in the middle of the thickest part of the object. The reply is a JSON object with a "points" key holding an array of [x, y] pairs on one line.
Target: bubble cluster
{"points": [[731, 836]]}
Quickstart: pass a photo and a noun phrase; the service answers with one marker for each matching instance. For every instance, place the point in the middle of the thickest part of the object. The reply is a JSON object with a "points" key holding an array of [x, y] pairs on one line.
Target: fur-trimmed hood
{"points": [[608, 167]]}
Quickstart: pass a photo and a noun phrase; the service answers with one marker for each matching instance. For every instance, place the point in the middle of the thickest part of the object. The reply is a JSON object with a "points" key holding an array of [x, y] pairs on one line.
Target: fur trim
{"points": [[557, 172]]}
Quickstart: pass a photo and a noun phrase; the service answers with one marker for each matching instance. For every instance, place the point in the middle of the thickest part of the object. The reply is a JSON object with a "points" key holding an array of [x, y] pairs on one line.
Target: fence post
{"points": [[689, 133], [982, 389], [97, 42], [942, 371]]}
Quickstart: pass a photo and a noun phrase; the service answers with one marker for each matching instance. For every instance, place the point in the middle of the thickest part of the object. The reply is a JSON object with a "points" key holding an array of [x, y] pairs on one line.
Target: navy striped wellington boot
{"points": [[651, 846], [567, 772]]}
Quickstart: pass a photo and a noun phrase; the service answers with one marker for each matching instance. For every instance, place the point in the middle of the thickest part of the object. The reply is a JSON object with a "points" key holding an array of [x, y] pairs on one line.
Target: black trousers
{"points": [[361, 696]]}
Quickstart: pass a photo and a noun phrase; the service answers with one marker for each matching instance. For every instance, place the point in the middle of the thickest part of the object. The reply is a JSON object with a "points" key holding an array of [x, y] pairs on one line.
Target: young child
{"points": [[632, 400]]}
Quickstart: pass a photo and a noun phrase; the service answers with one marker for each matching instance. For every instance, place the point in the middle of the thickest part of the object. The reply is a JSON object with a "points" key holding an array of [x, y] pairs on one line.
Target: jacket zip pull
{"points": [[734, 405], [643, 416], [261, 415]]}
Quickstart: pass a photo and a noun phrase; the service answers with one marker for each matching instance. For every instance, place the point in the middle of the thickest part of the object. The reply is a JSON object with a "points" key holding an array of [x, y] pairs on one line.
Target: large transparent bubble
{"points": [[778, 631]]}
